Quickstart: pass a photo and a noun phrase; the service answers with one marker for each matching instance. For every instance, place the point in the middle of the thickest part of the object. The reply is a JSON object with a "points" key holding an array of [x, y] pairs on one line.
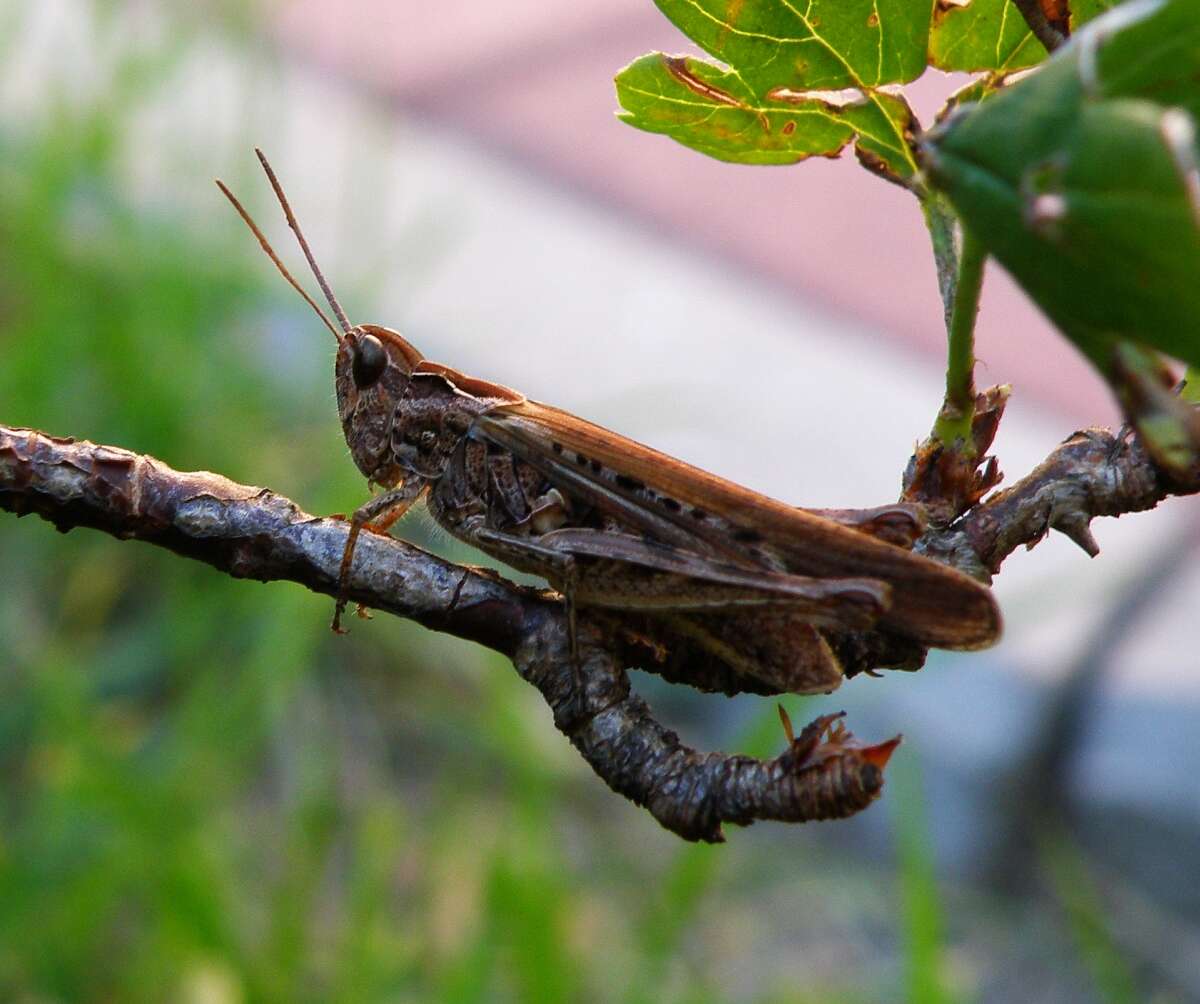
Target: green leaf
{"points": [[798, 81], [1191, 385], [1156, 58], [816, 45], [979, 89], [992, 35], [1168, 424], [1086, 191], [984, 35], [711, 110], [1086, 186], [883, 123], [1083, 11]]}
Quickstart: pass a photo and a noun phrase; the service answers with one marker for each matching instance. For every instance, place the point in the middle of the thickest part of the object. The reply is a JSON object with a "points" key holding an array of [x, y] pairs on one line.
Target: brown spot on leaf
{"points": [[872, 20], [789, 128], [678, 68]]}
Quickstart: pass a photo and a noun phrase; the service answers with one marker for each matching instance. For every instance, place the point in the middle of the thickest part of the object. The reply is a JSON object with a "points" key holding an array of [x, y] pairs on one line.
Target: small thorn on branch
{"points": [[1077, 527]]}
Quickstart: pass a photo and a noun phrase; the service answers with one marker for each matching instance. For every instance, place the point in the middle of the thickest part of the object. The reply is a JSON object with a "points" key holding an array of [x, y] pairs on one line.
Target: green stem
{"points": [[953, 424], [940, 221]]}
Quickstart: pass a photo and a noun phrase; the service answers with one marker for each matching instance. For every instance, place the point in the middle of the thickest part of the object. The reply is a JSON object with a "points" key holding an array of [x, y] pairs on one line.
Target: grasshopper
{"points": [[699, 564]]}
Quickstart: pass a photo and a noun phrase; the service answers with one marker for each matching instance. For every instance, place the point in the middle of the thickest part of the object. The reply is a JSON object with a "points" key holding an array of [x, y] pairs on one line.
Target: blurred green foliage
{"points": [[1076, 890], [923, 921]]}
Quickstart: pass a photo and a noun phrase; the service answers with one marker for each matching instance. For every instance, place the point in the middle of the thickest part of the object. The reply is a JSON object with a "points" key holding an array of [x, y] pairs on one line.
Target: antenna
{"points": [[312, 262], [266, 246]]}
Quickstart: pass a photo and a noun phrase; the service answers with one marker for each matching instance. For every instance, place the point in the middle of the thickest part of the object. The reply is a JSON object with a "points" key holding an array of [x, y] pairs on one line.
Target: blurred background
{"points": [[207, 797]]}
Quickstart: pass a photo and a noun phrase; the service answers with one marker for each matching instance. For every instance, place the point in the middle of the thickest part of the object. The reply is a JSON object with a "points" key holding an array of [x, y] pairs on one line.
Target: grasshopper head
{"points": [[401, 415], [372, 373]]}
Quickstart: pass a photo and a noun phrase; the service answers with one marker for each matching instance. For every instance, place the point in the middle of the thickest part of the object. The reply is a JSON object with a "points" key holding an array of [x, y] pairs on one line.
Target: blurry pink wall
{"points": [[533, 82]]}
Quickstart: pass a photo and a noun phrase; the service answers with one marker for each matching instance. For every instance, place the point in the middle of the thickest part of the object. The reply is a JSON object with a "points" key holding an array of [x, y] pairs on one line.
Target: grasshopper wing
{"points": [[686, 507]]}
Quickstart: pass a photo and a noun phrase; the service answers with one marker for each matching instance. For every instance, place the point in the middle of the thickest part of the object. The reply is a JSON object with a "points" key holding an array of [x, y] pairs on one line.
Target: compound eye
{"points": [[370, 360]]}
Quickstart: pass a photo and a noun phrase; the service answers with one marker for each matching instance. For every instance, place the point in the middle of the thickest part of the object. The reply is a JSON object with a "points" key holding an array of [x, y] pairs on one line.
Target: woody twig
{"points": [[250, 532]]}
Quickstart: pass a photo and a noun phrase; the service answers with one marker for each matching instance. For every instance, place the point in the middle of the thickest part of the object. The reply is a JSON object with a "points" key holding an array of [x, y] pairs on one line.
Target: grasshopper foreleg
{"points": [[377, 515]]}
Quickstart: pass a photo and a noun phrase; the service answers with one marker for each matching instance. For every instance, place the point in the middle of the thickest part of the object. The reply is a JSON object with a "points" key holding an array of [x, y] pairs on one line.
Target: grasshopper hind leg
{"points": [[750, 651]]}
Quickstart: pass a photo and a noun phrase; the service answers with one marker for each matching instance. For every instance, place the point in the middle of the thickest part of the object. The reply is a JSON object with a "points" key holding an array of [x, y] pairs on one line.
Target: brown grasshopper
{"points": [[697, 563]]}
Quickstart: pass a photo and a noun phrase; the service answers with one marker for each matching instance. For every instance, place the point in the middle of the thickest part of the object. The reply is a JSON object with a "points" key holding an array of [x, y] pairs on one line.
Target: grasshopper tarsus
{"points": [[343, 580]]}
